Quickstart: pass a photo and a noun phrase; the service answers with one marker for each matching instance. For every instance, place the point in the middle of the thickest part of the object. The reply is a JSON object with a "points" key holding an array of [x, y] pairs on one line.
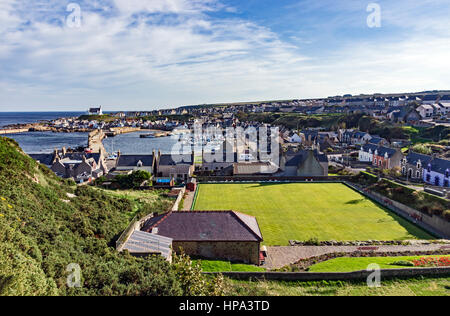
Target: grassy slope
{"points": [[357, 264], [412, 287], [303, 211], [42, 230]]}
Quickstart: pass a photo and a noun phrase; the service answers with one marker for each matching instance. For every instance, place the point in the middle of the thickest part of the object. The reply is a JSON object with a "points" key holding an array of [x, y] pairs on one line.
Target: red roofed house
{"points": [[221, 235]]}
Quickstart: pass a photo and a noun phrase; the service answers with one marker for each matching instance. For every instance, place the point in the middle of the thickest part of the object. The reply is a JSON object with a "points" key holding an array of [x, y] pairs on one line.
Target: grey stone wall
{"points": [[246, 252], [341, 276]]}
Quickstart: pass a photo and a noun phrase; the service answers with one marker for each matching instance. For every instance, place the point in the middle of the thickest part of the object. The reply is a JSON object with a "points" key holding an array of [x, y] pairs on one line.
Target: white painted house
{"points": [[366, 152], [425, 111], [95, 111]]}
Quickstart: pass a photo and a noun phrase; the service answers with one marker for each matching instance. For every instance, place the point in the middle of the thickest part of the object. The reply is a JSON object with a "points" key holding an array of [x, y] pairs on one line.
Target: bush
{"points": [[41, 233], [403, 263]]}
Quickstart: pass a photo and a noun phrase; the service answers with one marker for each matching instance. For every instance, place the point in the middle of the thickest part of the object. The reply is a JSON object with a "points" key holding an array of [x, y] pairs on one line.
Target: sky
{"points": [[148, 54]]}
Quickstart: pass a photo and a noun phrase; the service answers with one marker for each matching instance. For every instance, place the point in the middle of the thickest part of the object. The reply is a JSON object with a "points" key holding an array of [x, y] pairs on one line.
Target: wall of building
{"points": [[247, 252], [311, 167]]}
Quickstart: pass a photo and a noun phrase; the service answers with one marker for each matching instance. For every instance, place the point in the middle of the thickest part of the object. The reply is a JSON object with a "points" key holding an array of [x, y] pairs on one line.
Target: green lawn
{"points": [[225, 266], [302, 211], [358, 264], [410, 287]]}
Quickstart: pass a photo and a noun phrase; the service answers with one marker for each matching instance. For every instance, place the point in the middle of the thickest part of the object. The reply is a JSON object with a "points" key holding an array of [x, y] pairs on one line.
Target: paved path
{"points": [[188, 200], [279, 257]]}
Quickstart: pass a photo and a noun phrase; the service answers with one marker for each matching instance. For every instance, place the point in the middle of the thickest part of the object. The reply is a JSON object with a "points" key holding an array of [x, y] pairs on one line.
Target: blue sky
{"points": [[147, 54]]}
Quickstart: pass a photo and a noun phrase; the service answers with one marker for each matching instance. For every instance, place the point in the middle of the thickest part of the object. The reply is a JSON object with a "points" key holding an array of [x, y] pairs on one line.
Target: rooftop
{"points": [[206, 226]]}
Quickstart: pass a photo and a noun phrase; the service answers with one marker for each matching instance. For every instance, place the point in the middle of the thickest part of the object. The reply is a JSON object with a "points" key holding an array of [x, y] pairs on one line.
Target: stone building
{"points": [[304, 163], [219, 235]]}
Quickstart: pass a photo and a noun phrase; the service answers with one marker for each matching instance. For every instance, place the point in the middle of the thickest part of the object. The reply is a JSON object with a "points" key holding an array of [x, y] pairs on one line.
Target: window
{"points": [[437, 181], [418, 174]]}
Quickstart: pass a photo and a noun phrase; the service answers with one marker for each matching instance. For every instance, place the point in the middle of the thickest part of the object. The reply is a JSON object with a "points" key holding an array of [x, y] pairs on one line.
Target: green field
{"points": [[358, 264], [410, 287], [301, 211]]}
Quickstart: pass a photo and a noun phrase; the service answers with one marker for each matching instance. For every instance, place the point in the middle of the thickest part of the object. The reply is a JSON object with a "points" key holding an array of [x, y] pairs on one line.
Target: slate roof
{"points": [[79, 156], [376, 140], [430, 98], [132, 160], [383, 150], [440, 165], [298, 158], [168, 160], [368, 147], [45, 159], [206, 226], [413, 158]]}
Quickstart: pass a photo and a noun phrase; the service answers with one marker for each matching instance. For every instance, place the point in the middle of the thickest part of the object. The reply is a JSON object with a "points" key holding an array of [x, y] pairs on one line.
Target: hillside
{"points": [[47, 223]]}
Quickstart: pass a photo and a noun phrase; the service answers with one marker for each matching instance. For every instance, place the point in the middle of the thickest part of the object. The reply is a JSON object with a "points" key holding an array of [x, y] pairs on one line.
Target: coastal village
{"points": [[230, 151], [308, 154]]}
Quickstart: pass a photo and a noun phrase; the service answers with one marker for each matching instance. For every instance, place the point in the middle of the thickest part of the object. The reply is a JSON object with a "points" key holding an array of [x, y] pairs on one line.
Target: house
{"points": [[81, 166], [378, 141], [437, 172], [366, 153], [426, 110], [445, 102], [176, 166], [135, 162], [413, 116], [81, 171], [430, 99], [387, 158], [304, 163], [218, 163], [359, 138], [217, 235], [413, 165], [95, 111], [45, 159]]}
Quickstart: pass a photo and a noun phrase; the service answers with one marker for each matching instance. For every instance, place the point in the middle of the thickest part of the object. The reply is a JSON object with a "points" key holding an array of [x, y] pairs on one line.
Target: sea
{"points": [[46, 142]]}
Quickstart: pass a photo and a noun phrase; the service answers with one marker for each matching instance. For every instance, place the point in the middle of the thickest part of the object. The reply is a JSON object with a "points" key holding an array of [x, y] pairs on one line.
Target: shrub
{"points": [[403, 263]]}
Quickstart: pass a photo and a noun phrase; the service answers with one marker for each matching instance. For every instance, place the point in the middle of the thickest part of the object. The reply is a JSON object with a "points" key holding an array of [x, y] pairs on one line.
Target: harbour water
{"points": [[10, 118], [46, 142], [132, 143]]}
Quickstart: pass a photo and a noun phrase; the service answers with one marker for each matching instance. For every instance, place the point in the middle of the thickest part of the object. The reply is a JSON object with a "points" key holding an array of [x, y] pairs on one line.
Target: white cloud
{"points": [[146, 60]]}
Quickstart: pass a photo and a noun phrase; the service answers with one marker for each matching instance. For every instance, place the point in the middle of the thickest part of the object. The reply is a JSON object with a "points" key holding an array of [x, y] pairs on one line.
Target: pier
{"points": [[13, 131], [95, 141]]}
